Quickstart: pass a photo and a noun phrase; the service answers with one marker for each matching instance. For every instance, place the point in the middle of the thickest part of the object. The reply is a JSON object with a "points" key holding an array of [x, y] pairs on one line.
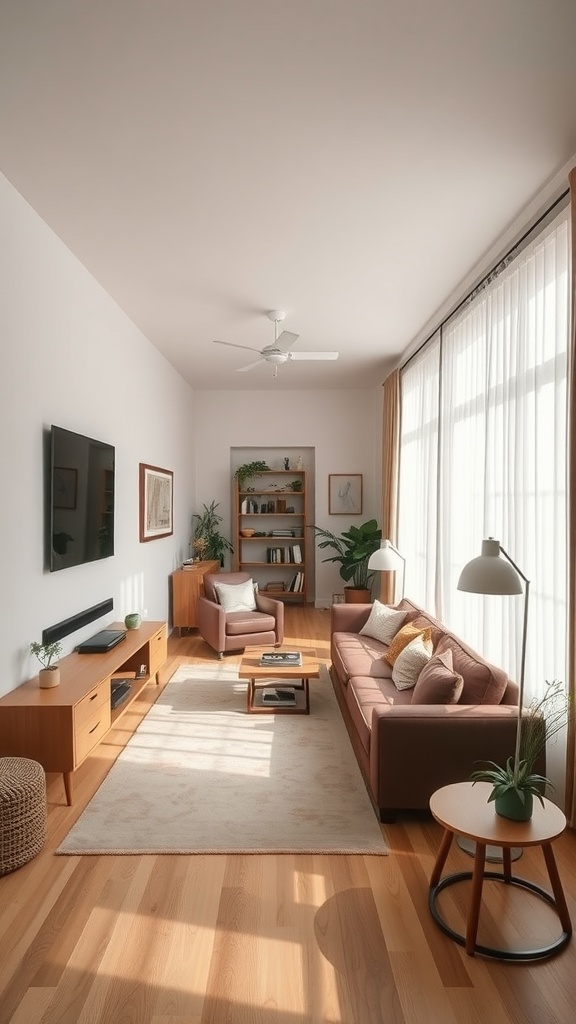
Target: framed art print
{"points": [[156, 502], [345, 494]]}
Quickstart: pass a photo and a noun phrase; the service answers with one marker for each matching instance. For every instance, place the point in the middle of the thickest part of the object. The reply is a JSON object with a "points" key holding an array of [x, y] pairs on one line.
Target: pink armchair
{"points": [[232, 631]]}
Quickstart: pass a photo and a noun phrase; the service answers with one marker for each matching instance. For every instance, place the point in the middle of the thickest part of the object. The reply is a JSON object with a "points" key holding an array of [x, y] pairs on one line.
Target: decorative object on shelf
{"points": [[344, 494], [156, 502], [206, 529], [354, 549], [249, 469], [295, 485], [286, 463], [247, 532], [132, 620], [300, 463], [388, 559], [199, 546], [49, 674]]}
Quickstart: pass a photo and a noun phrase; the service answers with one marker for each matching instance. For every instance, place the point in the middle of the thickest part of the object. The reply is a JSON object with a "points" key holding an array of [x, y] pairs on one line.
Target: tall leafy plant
{"points": [[206, 527], [353, 549]]}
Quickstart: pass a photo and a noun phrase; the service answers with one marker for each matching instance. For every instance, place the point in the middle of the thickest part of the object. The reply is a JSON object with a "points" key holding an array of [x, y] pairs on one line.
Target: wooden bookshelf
{"points": [[278, 552]]}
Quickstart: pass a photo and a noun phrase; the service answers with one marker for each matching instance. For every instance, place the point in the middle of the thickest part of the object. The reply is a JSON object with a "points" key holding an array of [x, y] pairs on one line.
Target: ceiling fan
{"points": [[280, 351]]}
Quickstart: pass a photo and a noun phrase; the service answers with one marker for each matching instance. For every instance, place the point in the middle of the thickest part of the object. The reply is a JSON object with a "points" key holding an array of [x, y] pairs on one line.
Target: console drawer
{"points": [[89, 734], [86, 707], [158, 651]]}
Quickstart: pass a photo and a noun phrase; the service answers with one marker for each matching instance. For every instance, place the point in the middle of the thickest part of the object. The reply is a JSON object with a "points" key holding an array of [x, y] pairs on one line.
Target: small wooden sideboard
{"points": [[187, 585], [61, 726]]}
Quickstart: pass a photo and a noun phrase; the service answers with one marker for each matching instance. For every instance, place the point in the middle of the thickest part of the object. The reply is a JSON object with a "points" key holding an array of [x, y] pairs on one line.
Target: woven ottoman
{"points": [[22, 811]]}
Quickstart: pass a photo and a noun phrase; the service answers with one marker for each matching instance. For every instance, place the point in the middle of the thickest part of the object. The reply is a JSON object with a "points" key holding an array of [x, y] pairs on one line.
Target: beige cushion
{"points": [[438, 683], [383, 622], [236, 597], [410, 662], [403, 637]]}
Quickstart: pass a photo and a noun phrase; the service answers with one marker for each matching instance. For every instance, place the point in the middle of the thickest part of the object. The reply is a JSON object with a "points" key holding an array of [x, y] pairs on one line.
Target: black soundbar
{"points": [[67, 626]]}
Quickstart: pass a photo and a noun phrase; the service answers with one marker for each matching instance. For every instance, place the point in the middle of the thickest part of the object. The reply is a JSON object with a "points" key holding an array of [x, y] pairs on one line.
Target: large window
{"points": [[483, 453]]}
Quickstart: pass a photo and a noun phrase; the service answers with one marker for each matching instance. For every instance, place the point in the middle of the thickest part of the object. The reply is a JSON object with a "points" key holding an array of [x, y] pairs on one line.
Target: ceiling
{"points": [[347, 161]]}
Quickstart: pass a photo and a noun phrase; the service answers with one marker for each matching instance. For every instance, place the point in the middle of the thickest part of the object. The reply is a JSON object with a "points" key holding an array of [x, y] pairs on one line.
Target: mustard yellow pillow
{"points": [[403, 637]]}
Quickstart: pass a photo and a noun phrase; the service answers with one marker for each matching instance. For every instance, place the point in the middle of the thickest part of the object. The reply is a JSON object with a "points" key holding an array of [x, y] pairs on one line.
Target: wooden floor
{"points": [[267, 939]]}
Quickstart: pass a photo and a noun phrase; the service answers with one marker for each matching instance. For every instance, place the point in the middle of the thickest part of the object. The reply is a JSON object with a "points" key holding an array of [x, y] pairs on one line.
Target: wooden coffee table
{"points": [[463, 809], [278, 676]]}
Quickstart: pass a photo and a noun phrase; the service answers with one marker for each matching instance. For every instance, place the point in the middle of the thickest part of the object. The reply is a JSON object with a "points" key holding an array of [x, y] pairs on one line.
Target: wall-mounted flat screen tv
{"points": [[81, 527]]}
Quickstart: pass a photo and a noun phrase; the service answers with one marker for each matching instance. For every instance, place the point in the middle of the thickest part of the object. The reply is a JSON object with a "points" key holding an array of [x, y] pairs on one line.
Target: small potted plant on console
{"points": [[49, 674]]}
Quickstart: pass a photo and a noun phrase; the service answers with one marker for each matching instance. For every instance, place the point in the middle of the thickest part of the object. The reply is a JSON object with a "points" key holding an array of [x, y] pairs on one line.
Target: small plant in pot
{"points": [[49, 674], [515, 785], [353, 550]]}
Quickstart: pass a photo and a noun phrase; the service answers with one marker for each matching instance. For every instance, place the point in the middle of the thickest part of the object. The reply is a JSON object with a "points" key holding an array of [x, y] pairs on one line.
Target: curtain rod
{"points": [[495, 270]]}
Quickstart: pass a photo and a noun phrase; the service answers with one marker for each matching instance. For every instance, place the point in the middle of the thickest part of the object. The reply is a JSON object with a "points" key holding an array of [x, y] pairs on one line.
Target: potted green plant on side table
{"points": [[353, 550], [515, 785]]}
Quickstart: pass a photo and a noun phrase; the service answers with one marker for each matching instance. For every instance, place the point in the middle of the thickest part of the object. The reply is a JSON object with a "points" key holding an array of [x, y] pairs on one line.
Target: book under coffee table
{"points": [[261, 677]]}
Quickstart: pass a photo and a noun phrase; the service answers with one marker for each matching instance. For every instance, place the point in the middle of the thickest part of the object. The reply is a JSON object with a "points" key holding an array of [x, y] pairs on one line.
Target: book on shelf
{"points": [[297, 553], [281, 658], [280, 696]]}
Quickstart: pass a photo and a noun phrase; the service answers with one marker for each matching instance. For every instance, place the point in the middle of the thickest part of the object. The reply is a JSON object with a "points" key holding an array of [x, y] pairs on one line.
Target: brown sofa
{"points": [[406, 751]]}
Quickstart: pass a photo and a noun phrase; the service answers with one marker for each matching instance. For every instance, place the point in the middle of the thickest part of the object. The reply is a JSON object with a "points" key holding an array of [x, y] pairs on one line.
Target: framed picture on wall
{"points": [[156, 502], [345, 494]]}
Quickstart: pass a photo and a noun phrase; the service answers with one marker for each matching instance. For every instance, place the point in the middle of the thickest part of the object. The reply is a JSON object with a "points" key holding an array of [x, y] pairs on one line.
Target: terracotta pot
{"points": [[356, 595], [510, 806], [48, 677]]}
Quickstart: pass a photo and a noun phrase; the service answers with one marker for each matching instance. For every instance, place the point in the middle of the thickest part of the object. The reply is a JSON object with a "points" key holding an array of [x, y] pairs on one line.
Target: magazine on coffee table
{"points": [[284, 696], [281, 658]]}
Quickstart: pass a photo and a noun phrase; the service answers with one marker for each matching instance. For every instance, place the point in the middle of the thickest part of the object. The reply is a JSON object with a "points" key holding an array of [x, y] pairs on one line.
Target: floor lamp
{"points": [[491, 574], [388, 559]]}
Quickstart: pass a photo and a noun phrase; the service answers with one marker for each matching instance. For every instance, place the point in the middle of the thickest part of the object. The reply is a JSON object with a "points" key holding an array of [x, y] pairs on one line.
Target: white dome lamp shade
{"points": [[388, 559]]}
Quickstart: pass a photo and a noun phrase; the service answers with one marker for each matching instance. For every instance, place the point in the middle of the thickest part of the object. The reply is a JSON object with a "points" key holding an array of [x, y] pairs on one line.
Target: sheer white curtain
{"points": [[502, 460], [417, 499]]}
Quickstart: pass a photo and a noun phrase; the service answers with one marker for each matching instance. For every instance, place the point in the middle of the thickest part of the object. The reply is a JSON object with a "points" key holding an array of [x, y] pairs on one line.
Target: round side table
{"points": [[463, 809]]}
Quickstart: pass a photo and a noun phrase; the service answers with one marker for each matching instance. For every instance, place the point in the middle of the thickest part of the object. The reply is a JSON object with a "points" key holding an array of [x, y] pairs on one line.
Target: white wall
{"points": [[343, 428], [71, 357]]}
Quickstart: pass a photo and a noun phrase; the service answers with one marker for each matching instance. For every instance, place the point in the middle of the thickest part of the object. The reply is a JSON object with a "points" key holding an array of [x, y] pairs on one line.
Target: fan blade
{"points": [[242, 369], [313, 355], [286, 340], [231, 344]]}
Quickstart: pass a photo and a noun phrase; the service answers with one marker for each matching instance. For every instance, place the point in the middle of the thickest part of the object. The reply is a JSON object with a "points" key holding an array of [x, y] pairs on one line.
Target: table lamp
{"points": [[388, 559], [490, 574]]}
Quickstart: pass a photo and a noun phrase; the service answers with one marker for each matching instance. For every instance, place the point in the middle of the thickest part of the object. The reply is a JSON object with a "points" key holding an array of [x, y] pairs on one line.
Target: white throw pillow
{"points": [[236, 597], [383, 622], [410, 662]]}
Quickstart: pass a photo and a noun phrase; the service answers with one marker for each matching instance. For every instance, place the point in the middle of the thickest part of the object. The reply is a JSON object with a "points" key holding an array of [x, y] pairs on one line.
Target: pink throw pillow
{"points": [[438, 683]]}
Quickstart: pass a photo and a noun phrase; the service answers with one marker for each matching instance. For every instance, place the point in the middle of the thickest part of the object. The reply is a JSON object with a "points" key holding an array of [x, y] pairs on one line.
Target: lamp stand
{"points": [[494, 853]]}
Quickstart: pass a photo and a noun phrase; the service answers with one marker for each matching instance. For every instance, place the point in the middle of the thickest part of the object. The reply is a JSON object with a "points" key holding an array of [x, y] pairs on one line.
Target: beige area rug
{"points": [[202, 776]]}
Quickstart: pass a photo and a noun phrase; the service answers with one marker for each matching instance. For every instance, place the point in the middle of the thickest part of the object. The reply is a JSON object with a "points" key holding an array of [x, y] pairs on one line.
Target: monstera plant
{"points": [[353, 549]]}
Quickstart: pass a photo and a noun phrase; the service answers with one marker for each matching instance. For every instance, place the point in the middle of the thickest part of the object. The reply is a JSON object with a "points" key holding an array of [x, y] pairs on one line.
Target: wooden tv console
{"points": [[61, 726]]}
